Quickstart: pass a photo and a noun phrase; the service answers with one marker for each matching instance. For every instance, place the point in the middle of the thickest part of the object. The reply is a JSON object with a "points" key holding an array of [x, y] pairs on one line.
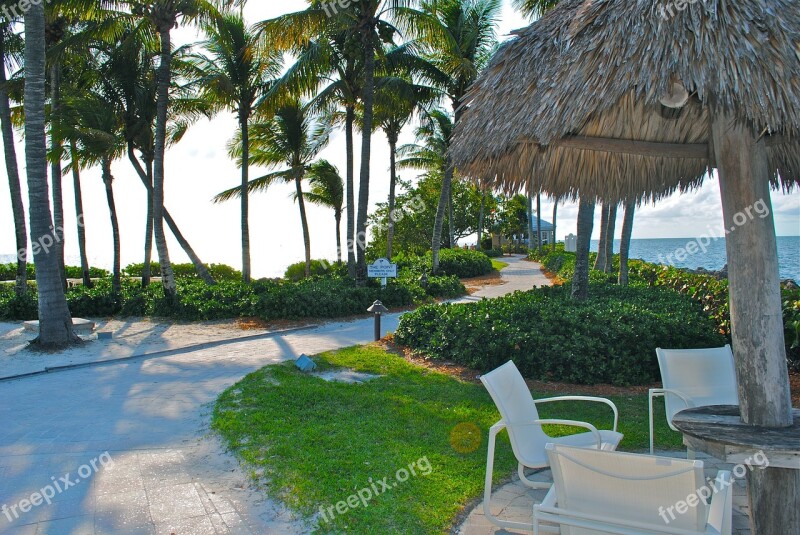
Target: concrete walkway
{"points": [[124, 447]]}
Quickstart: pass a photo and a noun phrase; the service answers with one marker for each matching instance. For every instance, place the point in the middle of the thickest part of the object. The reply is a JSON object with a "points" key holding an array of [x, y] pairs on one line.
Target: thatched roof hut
{"points": [[599, 69], [629, 99]]}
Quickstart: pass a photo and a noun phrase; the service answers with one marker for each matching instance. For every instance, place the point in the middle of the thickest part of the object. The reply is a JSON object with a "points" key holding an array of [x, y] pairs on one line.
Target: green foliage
{"points": [[461, 263], [22, 308], [492, 253], [464, 263], [611, 338], [415, 212], [8, 272], [219, 272], [327, 296], [297, 271], [710, 292]]}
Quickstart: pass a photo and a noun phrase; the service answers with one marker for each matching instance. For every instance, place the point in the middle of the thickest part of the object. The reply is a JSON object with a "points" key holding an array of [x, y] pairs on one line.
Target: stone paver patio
{"points": [[167, 473]]}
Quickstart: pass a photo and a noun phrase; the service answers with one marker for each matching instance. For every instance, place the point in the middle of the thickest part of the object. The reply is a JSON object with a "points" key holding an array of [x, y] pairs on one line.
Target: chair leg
{"points": [[652, 440], [691, 454], [487, 488], [532, 484]]}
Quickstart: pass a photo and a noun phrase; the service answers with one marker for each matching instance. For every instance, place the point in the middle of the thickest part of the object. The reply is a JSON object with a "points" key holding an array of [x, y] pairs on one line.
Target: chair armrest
{"points": [[574, 423], [721, 510], [584, 398]]}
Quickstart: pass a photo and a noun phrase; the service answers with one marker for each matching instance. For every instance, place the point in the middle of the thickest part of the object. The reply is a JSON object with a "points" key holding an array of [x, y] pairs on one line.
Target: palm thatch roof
{"points": [[599, 68]]}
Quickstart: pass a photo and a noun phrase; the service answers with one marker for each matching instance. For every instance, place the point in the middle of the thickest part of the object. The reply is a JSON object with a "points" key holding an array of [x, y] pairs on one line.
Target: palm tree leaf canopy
{"points": [[601, 69]]}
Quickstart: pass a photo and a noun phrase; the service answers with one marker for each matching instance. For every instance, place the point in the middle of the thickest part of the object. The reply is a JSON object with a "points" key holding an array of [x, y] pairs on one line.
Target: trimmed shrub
{"points": [[8, 272], [297, 271], [219, 272], [464, 263], [610, 338]]}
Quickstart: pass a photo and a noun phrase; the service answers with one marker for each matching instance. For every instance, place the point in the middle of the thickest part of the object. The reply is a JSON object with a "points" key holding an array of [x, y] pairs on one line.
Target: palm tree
{"points": [[164, 15], [397, 100], [55, 322], [533, 8], [580, 280], [97, 127], [600, 261], [555, 214], [327, 189], [239, 71], [430, 152], [10, 51], [460, 50], [128, 78], [610, 230], [292, 137], [332, 75], [362, 26], [625, 243]]}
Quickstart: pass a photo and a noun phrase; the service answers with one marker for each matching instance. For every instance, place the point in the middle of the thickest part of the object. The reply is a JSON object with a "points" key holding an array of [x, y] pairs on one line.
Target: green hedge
{"points": [[711, 293], [462, 263], [610, 338], [315, 297], [8, 272], [219, 272], [297, 271]]}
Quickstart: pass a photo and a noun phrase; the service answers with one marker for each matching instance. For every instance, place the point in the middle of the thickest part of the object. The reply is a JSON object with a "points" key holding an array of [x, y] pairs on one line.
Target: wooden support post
{"points": [[756, 316]]}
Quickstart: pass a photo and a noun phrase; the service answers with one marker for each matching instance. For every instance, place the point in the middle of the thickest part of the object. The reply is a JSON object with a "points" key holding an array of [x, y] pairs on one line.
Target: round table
{"points": [[718, 430]]}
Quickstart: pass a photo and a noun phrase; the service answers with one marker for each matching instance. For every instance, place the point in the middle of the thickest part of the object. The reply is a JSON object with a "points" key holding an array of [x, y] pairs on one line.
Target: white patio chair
{"points": [[694, 378], [601, 492], [521, 418]]}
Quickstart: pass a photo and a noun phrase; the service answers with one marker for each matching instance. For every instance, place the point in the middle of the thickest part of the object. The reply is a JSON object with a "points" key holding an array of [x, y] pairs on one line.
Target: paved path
{"points": [[514, 502], [130, 438]]}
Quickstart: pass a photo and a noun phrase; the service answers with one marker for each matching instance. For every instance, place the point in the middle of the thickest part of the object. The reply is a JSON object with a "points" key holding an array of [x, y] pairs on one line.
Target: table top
{"points": [[722, 424]]}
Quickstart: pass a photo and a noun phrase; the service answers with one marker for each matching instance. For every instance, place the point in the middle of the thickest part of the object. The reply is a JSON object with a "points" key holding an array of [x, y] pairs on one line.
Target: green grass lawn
{"points": [[314, 444], [498, 265]]}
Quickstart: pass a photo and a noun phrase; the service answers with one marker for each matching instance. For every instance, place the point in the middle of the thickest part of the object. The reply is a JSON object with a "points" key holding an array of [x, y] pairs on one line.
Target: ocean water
{"points": [[665, 251]]}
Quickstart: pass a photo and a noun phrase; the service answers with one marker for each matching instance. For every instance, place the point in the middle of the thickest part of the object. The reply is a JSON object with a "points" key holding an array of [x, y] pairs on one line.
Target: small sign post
{"points": [[382, 269]]}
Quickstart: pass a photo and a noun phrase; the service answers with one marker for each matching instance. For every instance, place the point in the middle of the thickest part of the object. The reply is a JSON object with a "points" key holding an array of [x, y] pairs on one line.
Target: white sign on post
{"points": [[382, 269]]}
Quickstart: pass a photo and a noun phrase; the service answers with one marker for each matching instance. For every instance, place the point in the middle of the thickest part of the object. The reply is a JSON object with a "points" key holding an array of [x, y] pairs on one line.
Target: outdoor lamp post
{"points": [[377, 308], [423, 280]]}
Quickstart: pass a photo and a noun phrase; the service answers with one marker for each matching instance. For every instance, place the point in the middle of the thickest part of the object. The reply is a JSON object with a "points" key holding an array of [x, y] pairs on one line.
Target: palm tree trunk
{"points": [[164, 77], [600, 261], [580, 280], [339, 237], [555, 213], [350, 115], [451, 240], [625, 243], [108, 180], [368, 97], [14, 185], [539, 222], [610, 231], [530, 216], [244, 127], [438, 222], [481, 216], [148, 228], [55, 168], [55, 323], [304, 222], [76, 184], [199, 267], [392, 185]]}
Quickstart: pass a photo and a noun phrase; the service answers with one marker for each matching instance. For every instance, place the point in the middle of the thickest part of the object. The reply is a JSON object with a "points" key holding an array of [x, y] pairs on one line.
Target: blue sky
{"points": [[199, 167]]}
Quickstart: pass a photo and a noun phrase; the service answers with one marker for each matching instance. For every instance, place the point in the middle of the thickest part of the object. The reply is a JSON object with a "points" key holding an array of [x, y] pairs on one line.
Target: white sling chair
{"points": [[520, 417], [694, 378], [601, 492]]}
